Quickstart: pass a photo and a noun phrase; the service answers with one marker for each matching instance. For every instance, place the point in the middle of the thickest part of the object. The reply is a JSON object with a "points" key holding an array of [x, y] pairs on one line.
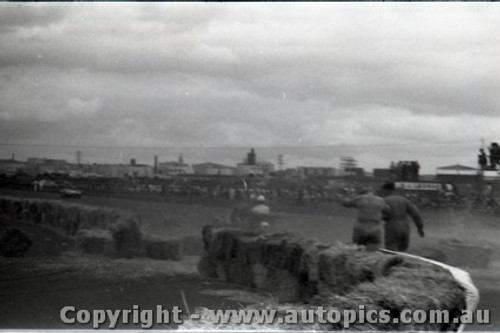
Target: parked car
{"points": [[70, 193]]}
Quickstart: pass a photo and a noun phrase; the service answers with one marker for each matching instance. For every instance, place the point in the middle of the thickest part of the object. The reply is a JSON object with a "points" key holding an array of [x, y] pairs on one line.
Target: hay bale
{"points": [[332, 273], [95, 241], [283, 285], [126, 237], [207, 267], [260, 276], [238, 272], [163, 249], [54, 216], [223, 243], [192, 245], [336, 277], [421, 287], [90, 219], [14, 209], [14, 243], [45, 213], [70, 218], [25, 212]]}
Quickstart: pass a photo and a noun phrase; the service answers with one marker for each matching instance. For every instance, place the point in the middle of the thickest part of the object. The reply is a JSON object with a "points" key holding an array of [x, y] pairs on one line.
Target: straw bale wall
{"points": [[97, 230], [339, 276]]}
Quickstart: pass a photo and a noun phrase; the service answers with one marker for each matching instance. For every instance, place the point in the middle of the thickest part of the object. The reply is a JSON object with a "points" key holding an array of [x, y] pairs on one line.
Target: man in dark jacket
{"points": [[397, 226], [368, 229]]}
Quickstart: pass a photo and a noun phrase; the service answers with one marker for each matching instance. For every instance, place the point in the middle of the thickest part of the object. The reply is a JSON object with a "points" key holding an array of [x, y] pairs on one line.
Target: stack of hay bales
{"points": [[95, 242], [97, 230], [340, 276], [163, 249], [279, 263], [127, 238]]}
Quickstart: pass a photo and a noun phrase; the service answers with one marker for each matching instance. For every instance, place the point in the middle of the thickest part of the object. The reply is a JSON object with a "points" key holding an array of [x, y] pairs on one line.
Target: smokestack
{"points": [[13, 156], [156, 164], [132, 161], [251, 157]]}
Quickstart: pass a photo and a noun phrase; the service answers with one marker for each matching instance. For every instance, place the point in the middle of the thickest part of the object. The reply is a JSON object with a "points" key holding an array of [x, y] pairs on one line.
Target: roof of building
{"points": [[45, 160], [121, 165], [12, 161], [456, 167], [173, 163], [213, 165]]}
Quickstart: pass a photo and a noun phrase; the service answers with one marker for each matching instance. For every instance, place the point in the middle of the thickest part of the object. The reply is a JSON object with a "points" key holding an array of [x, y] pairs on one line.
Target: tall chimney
{"points": [[252, 157], [132, 161], [156, 164]]}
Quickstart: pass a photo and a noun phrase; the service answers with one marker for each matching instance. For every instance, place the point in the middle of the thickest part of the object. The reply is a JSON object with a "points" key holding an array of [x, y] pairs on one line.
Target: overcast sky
{"points": [[313, 81]]}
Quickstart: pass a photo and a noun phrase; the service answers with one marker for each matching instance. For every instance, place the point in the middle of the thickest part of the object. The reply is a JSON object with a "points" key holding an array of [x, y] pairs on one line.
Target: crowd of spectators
{"points": [[238, 189]]}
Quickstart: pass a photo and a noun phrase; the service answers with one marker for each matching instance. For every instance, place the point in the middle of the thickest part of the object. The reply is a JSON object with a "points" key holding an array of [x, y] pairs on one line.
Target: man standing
{"points": [[482, 159], [397, 227], [368, 229]]}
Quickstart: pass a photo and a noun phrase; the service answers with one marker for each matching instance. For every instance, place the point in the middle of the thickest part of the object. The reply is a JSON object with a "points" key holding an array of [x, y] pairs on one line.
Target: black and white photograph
{"points": [[257, 166]]}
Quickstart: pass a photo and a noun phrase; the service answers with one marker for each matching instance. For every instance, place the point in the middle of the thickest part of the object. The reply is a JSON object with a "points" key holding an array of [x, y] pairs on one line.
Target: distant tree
{"points": [[405, 170]]}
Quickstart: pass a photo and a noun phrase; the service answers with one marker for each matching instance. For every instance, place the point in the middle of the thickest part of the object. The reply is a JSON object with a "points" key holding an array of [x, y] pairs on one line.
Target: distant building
{"points": [[491, 174], [12, 166], [288, 173], [354, 172], [261, 169], [123, 170], [317, 172], [406, 170], [38, 166], [174, 168], [383, 174], [43, 160], [213, 169], [457, 174], [253, 166]]}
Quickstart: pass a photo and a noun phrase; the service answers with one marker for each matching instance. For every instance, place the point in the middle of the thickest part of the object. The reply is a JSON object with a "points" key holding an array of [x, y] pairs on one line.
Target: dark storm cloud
{"points": [[19, 15]]}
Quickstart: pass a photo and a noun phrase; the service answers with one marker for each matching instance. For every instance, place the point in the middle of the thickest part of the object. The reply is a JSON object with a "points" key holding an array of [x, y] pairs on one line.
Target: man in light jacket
{"points": [[368, 229]]}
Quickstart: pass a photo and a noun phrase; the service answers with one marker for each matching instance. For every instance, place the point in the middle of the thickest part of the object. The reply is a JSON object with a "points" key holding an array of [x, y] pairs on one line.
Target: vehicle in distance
{"points": [[70, 193]]}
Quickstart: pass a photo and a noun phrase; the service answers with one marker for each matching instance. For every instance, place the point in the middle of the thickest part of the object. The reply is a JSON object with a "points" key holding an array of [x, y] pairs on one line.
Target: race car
{"points": [[70, 193]]}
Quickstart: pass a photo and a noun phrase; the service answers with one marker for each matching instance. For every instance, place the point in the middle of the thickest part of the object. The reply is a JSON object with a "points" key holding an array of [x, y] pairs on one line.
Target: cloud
{"points": [[213, 74], [79, 108], [29, 16]]}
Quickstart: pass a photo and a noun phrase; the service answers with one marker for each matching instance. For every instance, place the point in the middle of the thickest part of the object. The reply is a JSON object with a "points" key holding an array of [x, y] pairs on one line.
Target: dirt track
{"points": [[34, 300]]}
